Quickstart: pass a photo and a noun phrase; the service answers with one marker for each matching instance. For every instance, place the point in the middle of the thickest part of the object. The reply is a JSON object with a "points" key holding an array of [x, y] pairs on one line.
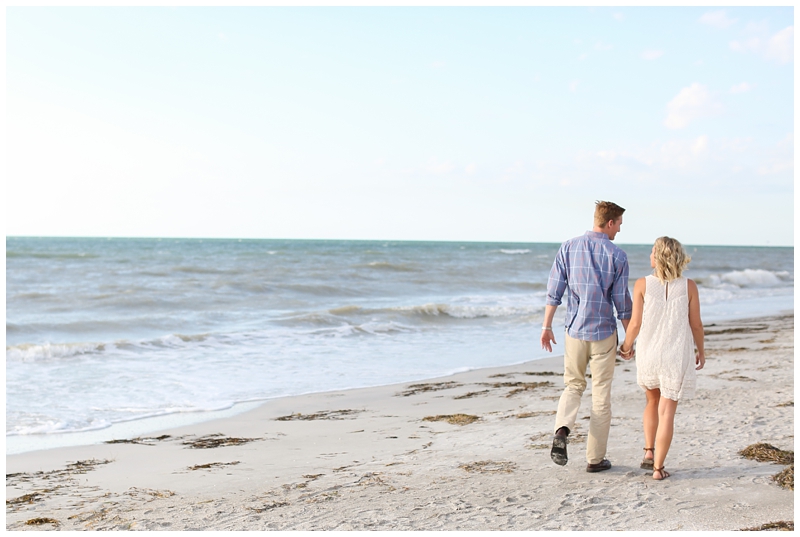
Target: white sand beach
{"points": [[378, 458]]}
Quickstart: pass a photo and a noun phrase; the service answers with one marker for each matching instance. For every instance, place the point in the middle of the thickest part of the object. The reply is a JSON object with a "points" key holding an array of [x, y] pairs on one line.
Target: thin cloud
{"points": [[781, 46], [717, 19], [619, 16], [573, 86], [778, 47], [651, 55], [700, 145], [744, 87], [691, 103], [602, 46]]}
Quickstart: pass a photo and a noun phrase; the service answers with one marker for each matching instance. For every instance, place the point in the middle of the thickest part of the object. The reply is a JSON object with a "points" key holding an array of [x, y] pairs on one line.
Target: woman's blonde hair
{"points": [[670, 259]]}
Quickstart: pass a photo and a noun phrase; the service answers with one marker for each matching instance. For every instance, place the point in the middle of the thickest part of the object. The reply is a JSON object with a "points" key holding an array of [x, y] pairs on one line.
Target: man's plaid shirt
{"points": [[594, 272]]}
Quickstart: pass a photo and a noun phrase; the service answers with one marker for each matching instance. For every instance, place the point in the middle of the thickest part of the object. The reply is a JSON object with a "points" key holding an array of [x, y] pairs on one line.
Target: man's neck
{"points": [[598, 229]]}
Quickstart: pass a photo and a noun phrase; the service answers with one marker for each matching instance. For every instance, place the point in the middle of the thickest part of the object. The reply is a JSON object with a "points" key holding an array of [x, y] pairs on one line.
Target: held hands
{"points": [[548, 339], [627, 354], [700, 360]]}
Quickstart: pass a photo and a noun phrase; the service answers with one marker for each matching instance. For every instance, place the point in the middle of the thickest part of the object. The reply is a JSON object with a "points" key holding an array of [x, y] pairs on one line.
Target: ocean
{"points": [[161, 332]]}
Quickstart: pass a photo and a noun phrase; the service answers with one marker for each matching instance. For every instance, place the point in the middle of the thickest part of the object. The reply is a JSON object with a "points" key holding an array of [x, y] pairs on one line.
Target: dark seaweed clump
{"points": [[762, 452], [322, 415], [216, 440], [453, 419]]}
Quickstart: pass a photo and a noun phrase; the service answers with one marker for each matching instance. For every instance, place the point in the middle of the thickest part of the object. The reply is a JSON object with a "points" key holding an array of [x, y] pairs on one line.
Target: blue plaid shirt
{"points": [[594, 272]]}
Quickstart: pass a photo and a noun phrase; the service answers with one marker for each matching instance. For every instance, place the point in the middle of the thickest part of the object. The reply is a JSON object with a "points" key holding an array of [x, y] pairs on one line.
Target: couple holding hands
{"points": [[664, 314]]}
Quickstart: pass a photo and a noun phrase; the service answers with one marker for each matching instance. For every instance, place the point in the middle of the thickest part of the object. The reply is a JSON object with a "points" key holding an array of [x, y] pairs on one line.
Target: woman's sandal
{"points": [[647, 464], [664, 473]]}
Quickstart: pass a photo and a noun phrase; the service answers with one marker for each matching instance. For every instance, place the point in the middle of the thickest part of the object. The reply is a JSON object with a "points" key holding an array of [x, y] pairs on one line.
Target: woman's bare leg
{"points": [[650, 420], [666, 424]]}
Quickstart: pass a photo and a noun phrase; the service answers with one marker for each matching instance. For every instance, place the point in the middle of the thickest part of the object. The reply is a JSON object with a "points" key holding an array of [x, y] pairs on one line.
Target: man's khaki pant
{"points": [[600, 356]]}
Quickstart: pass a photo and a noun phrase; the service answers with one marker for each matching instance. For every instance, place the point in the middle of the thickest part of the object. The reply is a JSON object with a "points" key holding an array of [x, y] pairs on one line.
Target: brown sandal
{"points": [[647, 464], [664, 473]]}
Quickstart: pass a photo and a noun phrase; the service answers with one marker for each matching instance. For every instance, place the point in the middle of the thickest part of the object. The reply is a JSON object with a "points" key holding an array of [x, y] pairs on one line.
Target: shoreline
{"points": [[24, 443], [382, 458]]}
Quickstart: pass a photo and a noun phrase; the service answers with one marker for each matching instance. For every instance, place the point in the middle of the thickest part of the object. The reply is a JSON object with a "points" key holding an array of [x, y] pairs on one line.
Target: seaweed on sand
{"points": [[143, 440], [28, 498], [78, 467], [489, 467], [210, 465], [41, 521], [782, 525], [737, 330], [762, 452], [469, 395], [268, 507], [322, 415], [536, 373], [453, 419], [520, 387], [785, 478], [523, 415], [414, 389], [216, 440]]}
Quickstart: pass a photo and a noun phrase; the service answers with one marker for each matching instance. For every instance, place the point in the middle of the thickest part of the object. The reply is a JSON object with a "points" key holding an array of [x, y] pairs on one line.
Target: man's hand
{"points": [[548, 340]]}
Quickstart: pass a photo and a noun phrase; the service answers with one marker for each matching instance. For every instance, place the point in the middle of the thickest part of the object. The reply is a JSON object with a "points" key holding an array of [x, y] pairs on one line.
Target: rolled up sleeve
{"points": [[620, 294], [557, 281]]}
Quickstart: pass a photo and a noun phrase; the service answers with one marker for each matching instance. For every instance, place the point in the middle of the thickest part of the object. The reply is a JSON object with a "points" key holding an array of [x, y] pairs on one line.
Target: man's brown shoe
{"points": [[605, 464]]}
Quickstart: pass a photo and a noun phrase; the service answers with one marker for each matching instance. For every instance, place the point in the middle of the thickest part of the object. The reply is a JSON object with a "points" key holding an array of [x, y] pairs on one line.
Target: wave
{"points": [[385, 265], [749, 278], [459, 311], [516, 252], [63, 426], [28, 352]]}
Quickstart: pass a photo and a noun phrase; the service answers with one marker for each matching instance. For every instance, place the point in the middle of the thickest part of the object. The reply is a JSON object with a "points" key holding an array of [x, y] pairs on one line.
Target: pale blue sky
{"points": [[401, 123]]}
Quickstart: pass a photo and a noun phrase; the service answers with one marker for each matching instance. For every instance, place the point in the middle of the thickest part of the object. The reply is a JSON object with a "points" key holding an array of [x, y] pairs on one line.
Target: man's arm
{"points": [[556, 285], [621, 295]]}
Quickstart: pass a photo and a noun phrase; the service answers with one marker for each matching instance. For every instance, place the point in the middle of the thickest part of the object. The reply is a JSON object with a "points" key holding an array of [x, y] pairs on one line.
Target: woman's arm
{"points": [[635, 323], [696, 324]]}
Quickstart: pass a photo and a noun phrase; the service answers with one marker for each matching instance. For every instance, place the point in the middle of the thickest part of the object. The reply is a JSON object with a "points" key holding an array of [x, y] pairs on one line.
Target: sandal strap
{"points": [[650, 449]]}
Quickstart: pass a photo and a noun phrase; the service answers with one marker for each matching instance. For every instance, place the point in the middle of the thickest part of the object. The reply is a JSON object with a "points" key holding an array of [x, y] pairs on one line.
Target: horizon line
{"points": [[107, 237]]}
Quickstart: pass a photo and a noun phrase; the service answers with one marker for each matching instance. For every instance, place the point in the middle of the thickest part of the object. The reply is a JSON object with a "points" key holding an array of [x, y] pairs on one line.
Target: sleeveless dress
{"points": [[665, 356]]}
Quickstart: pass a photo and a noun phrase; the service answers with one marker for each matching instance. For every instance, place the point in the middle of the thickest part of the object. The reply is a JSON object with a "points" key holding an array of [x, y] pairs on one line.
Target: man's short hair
{"points": [[605, 211]]}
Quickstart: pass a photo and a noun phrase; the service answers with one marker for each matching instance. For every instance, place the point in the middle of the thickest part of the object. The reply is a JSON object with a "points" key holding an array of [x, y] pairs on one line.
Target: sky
{"points": [[405, 123]]}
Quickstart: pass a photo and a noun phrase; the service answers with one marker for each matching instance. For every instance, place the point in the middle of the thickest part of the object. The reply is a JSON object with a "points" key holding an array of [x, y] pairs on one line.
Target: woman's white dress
{"points": [[665, 357]]}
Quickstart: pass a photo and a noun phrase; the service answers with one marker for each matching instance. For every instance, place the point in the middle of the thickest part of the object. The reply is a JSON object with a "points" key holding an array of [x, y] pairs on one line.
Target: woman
{"points": [[666, 317]]}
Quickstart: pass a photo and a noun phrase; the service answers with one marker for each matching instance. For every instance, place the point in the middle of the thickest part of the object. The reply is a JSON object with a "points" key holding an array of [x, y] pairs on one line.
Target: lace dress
{"points": [[665, 348]]}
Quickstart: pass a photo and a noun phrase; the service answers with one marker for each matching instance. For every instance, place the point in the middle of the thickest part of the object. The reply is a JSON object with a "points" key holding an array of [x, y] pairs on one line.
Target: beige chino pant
{"points": [[600, 356]]}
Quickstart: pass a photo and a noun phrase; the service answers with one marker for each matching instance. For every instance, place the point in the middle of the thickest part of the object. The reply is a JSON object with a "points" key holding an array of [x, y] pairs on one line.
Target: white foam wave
{"points": [[516, 252], [750, 278], [466, 311], [372, 328], [59, 427], [27, 352]]}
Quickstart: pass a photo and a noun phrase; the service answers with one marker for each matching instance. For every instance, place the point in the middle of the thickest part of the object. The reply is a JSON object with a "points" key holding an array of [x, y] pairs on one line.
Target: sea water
{"points": [[164, 332]]}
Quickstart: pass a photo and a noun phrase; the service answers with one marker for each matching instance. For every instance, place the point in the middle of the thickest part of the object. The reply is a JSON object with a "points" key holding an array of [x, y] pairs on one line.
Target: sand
{"points": [[388, 458]]}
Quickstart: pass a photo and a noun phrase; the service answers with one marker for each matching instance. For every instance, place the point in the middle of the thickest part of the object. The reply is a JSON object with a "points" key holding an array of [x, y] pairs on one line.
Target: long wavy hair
{"points": [[670, 258]]}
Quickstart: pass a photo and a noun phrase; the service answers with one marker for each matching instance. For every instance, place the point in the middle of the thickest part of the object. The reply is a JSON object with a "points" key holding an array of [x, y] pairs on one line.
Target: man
{"points": [[594, 273]]}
